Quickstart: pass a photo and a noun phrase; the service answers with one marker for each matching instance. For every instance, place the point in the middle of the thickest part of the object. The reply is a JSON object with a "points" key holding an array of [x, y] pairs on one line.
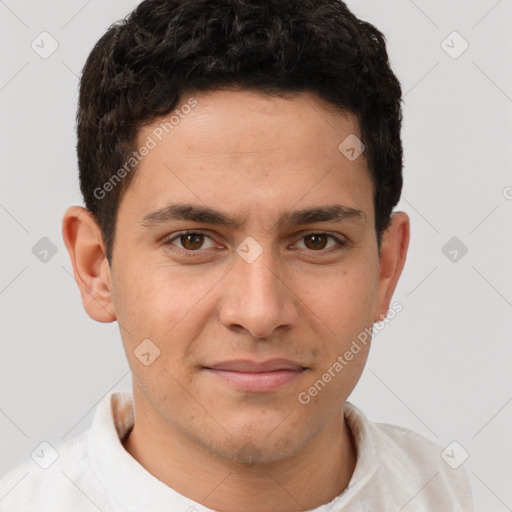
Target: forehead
{"points": [[233, 146], [241, 118]]}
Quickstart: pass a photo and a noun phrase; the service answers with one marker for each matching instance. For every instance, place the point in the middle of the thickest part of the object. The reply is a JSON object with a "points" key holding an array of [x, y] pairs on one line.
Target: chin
{"points": [[259, 448]]}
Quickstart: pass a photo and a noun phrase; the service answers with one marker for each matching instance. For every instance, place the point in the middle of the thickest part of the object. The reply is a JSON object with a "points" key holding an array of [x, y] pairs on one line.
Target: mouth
{"points": [[257, 377]]}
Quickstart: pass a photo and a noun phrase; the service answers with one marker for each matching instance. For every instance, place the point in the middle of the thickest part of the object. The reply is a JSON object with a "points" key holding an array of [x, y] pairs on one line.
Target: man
{"points": [[239, 164]]}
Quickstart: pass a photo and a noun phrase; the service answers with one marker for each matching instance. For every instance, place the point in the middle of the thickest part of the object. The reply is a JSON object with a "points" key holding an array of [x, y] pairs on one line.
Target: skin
{"points": [[252, 157]]}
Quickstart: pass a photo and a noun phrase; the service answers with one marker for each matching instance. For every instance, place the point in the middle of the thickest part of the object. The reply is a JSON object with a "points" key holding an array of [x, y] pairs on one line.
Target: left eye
{"points": [[319, 240]]}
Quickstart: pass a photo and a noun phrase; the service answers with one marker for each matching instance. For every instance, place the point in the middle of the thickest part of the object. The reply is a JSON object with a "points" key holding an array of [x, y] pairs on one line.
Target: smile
{"points": [[257, 377]]}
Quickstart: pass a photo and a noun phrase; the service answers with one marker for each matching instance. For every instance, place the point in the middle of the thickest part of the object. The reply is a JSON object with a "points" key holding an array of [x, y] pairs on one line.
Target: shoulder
{"points": [[413, 467], [55, 478]]}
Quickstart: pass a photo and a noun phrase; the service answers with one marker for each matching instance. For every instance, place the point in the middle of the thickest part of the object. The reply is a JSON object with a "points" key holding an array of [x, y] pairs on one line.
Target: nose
{"points": [[259, 297]]}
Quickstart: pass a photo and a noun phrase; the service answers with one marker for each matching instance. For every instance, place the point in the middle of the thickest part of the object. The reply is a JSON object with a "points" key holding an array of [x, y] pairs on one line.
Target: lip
{"points": [[257, 376]]}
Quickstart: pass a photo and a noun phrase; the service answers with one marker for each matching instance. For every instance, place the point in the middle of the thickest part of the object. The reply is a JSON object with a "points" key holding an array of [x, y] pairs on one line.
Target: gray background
{"points": [[441, 367]]}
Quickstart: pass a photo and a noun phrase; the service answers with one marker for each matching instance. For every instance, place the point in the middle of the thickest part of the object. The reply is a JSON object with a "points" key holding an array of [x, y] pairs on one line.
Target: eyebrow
{"points": [[206, 215]]}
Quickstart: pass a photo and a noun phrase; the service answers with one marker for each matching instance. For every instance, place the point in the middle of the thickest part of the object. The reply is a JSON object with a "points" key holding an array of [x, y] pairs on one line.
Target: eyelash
{"points": [[191, 254]]}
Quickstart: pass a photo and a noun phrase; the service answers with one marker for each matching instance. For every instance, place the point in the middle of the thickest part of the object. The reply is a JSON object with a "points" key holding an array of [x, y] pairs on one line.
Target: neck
{"points": [[313, 476]]}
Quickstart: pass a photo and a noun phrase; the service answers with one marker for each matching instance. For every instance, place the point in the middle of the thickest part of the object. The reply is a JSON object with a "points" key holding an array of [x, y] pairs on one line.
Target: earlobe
{"points": [[395, 244], [83, 241]]}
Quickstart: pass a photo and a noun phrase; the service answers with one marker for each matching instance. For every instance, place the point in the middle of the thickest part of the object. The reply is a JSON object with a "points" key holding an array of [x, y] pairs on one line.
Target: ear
{"points": [[84, 243], [395, 242]]}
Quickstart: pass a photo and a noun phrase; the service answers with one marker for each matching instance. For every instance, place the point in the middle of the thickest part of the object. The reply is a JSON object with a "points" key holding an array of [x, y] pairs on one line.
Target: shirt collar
{"points": [[137, 489]]}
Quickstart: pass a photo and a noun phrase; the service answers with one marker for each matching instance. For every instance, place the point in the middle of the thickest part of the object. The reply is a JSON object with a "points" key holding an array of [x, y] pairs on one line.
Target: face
{"points": [[246, 253]]}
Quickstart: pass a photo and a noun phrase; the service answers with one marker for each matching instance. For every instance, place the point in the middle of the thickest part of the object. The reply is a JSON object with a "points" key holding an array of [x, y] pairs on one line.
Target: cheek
{"points": [[166, 305], [341, 303], [342, 308], [154, 296]]}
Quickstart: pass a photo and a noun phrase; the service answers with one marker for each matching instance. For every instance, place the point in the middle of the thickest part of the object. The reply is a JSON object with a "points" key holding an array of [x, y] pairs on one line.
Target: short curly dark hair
{"points": [[142, 66]]}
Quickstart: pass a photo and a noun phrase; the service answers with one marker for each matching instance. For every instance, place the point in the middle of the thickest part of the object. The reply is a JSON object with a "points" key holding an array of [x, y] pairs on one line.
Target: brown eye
{"points": [[189, 243], [192, 241], [316, 241], [319, 242]]}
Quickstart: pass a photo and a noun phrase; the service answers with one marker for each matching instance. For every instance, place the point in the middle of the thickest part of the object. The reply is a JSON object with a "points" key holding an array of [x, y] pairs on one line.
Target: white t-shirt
{"points": [[396, 469]]}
